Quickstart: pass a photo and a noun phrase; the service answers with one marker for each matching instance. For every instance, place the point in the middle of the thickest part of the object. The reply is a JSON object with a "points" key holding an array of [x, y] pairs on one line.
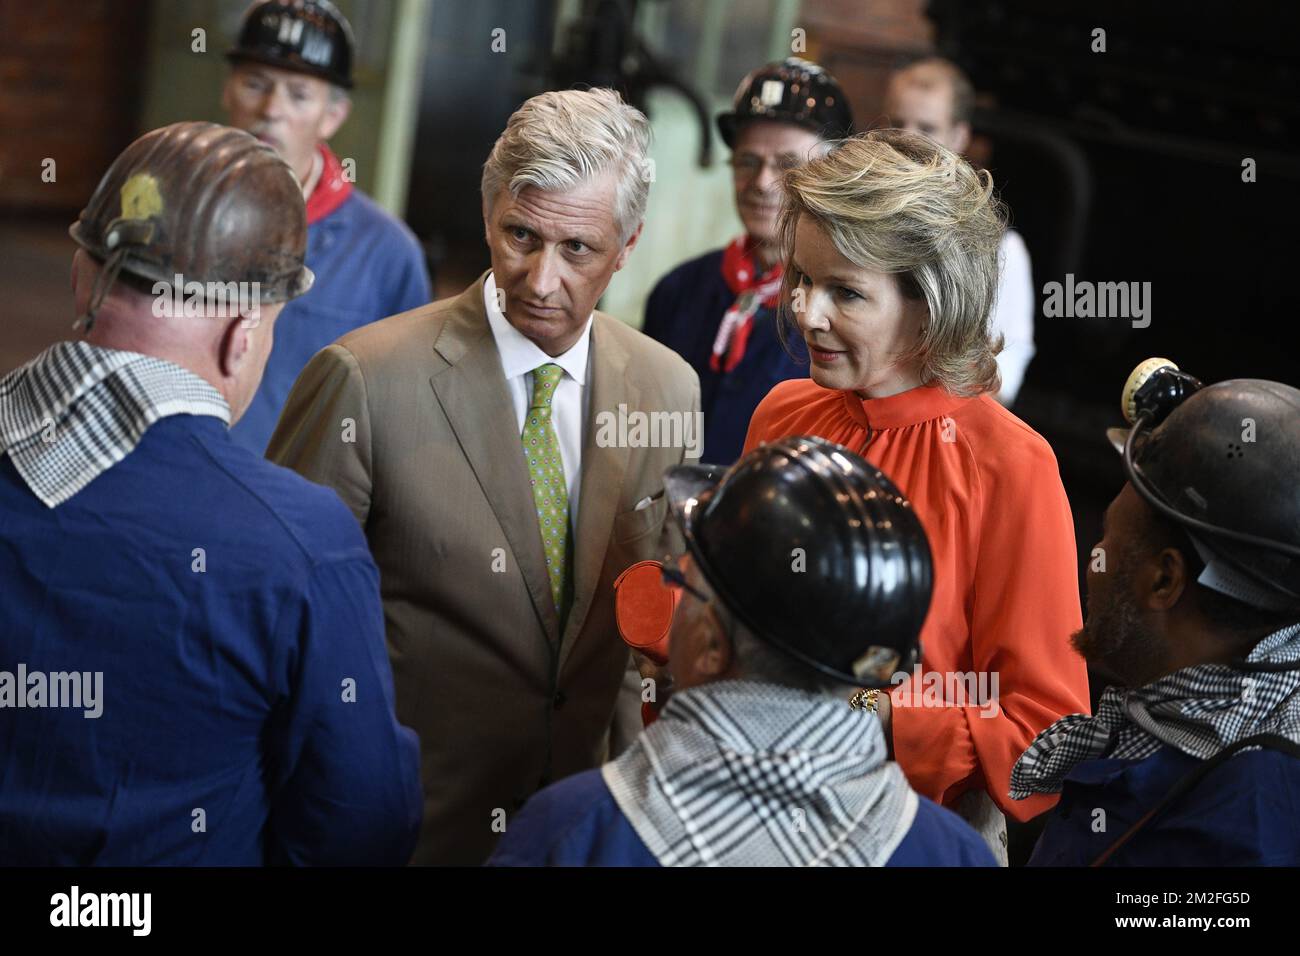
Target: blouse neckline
{"points": [[921, 404]]}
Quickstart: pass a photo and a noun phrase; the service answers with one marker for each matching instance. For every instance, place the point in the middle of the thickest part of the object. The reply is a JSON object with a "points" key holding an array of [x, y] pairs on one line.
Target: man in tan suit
{"points": [[504, 450]]}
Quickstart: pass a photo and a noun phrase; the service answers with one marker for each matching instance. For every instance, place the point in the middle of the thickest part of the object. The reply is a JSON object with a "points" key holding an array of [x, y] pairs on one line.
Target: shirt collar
{"points": [[747, 735], [77, 409], [332, 189], [519, 354], [921, 404], [1197, 710]]}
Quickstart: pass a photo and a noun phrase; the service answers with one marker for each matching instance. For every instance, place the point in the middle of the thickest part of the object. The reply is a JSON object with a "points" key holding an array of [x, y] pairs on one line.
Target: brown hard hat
{"points": [[207, 202]]}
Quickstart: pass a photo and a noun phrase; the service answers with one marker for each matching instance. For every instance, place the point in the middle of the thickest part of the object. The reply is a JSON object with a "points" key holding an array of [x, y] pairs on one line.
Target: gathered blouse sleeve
{"points": [[1024, 605]]}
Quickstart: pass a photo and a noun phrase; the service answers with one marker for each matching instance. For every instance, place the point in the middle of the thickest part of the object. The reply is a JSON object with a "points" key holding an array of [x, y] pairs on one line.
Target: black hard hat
{"points": [[853, 609], [791, 91], [209, 202], [1223, 461], [307, 36]]}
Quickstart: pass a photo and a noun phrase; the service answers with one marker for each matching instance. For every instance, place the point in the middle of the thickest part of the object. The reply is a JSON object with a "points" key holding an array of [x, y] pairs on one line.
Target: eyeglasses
{"points": [[675, 578], [748, 165]]}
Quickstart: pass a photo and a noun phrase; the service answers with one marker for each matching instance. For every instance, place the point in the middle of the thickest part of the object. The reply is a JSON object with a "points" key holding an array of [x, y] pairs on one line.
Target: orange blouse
{"points": [[1006, 596]]}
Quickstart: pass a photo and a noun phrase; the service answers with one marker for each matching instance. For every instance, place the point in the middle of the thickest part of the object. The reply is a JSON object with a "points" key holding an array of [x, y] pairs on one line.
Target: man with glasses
{"points": [[765, 755], [290, 76], [719, 311]]}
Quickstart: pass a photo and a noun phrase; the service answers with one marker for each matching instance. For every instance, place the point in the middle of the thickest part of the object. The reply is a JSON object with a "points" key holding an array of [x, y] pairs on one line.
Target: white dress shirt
{"points": [[519, 356], [1013, 314]]}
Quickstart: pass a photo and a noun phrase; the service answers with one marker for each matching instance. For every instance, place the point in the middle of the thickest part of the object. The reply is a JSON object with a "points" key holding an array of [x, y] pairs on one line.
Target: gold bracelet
{"points": [[865, 700]]}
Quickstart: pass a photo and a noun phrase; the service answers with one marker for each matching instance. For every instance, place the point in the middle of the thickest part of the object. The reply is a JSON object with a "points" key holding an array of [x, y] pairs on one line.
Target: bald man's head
{"points": [[228, 351], [932, 97]]}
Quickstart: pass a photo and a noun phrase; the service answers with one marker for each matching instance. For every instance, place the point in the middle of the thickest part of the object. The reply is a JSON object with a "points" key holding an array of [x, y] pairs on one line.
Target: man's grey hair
{"points": [[557, 140]]}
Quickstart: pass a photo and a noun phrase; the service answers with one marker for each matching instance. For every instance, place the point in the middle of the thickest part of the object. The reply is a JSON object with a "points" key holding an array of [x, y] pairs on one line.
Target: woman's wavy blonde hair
{"points": [[900, 203]]}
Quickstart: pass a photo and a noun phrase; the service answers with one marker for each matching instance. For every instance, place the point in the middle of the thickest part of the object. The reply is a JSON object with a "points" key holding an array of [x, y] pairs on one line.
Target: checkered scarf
{"points": [[1198, 710], [739, 773], [78, 409]]}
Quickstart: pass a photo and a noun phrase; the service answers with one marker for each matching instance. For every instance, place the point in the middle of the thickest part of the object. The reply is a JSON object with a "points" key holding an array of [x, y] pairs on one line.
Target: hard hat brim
{"points": [[686, 485], [302, 283], [727, 129], [293, 65]]}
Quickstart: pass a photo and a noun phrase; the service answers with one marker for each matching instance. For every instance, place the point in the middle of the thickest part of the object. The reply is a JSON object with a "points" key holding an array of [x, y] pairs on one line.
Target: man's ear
{"points": [[1166, 580], [227, 93], [715, 657], [234, 346], [336, 113], [77, 283], [85, 270], [961, 137], [629, 246], [726, 653]]}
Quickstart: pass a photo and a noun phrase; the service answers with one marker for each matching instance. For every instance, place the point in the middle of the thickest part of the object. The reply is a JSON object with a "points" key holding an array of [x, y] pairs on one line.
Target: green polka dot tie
{"points": [[546, 473]]}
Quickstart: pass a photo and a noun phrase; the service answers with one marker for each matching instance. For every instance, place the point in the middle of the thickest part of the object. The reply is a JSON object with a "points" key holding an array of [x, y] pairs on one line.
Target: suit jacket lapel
{"points": [[602, 476], [473, 394]]}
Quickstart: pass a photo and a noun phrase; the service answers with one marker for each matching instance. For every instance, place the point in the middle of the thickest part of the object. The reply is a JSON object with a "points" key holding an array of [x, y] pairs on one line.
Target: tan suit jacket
{"points": [[410, 421]]}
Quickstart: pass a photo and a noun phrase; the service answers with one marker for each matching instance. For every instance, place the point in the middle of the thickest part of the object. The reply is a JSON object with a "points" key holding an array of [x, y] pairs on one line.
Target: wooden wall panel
{"points": [[69, 91]]}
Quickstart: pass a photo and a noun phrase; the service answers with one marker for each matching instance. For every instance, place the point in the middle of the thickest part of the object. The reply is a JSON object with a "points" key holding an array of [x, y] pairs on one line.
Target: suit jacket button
{"points": [[559, 699]]}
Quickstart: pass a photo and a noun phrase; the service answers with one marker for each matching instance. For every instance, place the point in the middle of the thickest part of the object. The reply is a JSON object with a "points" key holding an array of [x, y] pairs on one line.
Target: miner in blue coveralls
{"points": [[192, 659], [1193, 755], [719, 311], [291, 70], [770, 750]]}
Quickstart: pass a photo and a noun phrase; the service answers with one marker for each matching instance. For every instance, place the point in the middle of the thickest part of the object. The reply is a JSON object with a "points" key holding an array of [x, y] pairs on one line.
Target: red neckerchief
{"points": [[752, 289], [331, 189]]}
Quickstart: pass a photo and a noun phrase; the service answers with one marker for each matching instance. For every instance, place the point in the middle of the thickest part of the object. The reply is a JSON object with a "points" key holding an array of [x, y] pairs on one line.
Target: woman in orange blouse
{"points": [[891, 273]]}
